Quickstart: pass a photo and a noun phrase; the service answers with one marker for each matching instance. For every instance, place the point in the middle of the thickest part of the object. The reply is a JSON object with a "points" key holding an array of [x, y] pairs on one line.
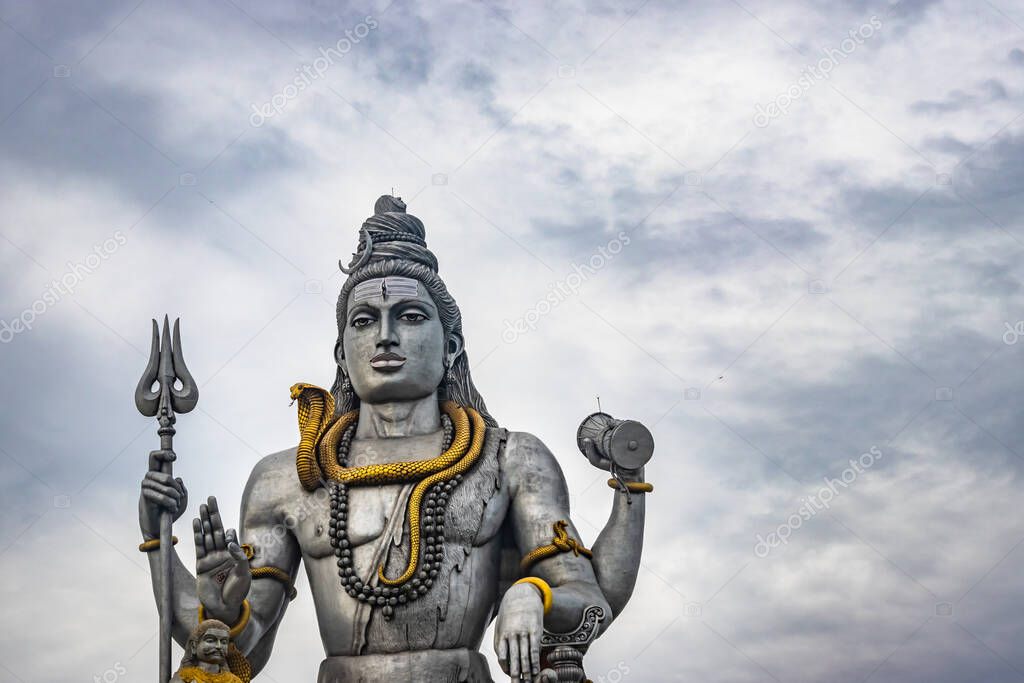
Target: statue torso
{"points": [[458, 607]]}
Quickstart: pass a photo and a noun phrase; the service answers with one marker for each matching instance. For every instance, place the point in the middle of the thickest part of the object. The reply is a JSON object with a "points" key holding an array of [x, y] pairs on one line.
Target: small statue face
{"points": [[394, 347], [212, 647]]}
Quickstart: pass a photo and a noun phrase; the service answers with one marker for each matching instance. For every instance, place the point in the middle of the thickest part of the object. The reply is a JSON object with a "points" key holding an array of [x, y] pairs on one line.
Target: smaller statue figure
{"points": [[206, 655]]}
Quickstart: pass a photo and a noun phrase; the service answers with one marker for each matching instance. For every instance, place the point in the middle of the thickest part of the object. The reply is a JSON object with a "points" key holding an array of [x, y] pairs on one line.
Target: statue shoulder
{"points": [[526, 445], [273, 480], [525, 452], [276, 465]]}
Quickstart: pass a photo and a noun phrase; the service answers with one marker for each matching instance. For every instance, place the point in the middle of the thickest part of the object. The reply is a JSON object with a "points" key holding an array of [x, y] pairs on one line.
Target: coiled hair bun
{"points": [[391, 233]]}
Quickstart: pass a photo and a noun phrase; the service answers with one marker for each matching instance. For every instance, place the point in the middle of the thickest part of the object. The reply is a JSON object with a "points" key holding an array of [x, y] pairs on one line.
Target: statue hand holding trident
{"points": [[166, 367]]}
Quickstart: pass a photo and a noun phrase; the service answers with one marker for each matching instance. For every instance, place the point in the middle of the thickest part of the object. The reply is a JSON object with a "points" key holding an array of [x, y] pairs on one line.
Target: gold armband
{"points": [[542, 586], [154, 544], [279, 575], [269, 572], [632, 486], [561, 542], [243, 619]]}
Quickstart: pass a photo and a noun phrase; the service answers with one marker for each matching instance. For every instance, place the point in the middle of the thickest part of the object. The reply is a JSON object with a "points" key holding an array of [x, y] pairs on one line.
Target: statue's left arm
{"points": [[539, 500]]}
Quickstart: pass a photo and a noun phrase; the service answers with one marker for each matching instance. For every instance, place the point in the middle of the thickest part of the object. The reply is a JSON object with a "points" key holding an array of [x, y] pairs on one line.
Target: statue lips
{"points": [[389, 361]]}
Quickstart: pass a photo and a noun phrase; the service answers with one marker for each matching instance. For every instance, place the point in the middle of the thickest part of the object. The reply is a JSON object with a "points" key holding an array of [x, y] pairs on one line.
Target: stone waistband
{"points": [[423, 666]]}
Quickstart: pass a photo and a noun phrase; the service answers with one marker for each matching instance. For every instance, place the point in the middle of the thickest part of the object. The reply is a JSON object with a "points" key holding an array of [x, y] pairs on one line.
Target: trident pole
{"points": [[156, 396]]}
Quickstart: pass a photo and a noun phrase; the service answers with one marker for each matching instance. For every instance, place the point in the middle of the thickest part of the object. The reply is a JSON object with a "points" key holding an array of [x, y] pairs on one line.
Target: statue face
{"points": [[212, 647], [394, 347]]}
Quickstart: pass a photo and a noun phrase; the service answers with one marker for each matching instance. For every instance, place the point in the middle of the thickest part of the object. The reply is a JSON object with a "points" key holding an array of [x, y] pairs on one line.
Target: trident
{"points": [[166, 367]]}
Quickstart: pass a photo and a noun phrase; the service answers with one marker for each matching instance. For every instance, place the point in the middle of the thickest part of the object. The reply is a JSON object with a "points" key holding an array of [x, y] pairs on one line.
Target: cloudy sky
{"points": [[804, 222]]}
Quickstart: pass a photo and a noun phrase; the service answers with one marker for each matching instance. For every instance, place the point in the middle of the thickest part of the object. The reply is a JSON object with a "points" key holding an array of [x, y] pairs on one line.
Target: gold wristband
{"points": [[154, 544], [542, 586], [632, 486], [243, 619]]}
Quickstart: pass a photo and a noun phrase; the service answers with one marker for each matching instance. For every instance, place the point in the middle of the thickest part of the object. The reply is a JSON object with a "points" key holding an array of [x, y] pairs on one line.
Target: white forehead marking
{"points": [[385, 287]]}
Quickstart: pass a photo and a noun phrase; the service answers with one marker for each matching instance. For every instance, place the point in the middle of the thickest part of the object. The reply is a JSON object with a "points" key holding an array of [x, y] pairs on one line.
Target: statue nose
{"points": [[387, 336]]}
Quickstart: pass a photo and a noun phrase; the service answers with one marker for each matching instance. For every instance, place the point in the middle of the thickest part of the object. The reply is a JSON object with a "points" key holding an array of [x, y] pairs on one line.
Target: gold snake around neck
{"points": [[319, 436], [416, 498], [316, 458]]}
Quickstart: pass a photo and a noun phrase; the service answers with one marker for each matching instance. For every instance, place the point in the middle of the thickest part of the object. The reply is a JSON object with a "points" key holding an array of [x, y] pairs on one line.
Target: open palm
{"points": [[222, 569]]}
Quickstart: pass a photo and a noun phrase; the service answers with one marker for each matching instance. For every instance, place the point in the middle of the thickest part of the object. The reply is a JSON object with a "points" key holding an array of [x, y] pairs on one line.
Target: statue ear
{"points": [[339, 356], [453, 348]]}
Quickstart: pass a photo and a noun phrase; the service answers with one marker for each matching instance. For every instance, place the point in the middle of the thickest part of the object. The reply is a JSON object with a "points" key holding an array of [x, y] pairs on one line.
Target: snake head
{"points": [[296, 390], [306, 391]]}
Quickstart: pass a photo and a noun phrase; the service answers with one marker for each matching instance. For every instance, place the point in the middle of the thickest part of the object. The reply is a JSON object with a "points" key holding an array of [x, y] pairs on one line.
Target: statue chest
{"points": [[456, 609], [473, 516], [459, 604]]}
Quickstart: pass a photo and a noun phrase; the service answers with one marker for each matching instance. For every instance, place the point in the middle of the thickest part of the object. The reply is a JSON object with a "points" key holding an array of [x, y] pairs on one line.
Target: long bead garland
{"points": [[434, 506]]}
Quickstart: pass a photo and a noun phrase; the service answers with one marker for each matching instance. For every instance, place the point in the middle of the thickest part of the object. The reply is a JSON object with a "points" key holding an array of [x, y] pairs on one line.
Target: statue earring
{"points": [[346, 385]]}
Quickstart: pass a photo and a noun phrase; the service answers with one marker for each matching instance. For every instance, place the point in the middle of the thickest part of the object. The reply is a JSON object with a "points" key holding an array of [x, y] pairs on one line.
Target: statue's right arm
{"points": [[218, 554], [163, 492]]}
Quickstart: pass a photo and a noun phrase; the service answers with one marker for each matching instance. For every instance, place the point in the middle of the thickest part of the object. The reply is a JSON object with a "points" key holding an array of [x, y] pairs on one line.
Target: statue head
{"points": [[399, 330], [207, 644]]}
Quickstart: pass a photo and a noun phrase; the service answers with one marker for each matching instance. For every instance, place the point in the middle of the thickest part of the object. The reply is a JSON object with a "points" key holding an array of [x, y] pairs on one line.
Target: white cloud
{"points": [[543, 167]]}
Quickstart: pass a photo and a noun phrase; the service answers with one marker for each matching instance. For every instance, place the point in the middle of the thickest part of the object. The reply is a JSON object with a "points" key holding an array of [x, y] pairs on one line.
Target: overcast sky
{"points": [[783, 236]]}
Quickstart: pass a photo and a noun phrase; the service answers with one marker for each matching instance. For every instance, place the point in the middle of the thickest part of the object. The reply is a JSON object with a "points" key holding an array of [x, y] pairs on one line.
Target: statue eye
{"points": [[412, 317], [362, 321]]}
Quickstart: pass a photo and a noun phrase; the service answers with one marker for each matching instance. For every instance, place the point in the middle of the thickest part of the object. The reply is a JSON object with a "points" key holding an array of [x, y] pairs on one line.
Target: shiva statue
{"points": [[418, 519]]}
